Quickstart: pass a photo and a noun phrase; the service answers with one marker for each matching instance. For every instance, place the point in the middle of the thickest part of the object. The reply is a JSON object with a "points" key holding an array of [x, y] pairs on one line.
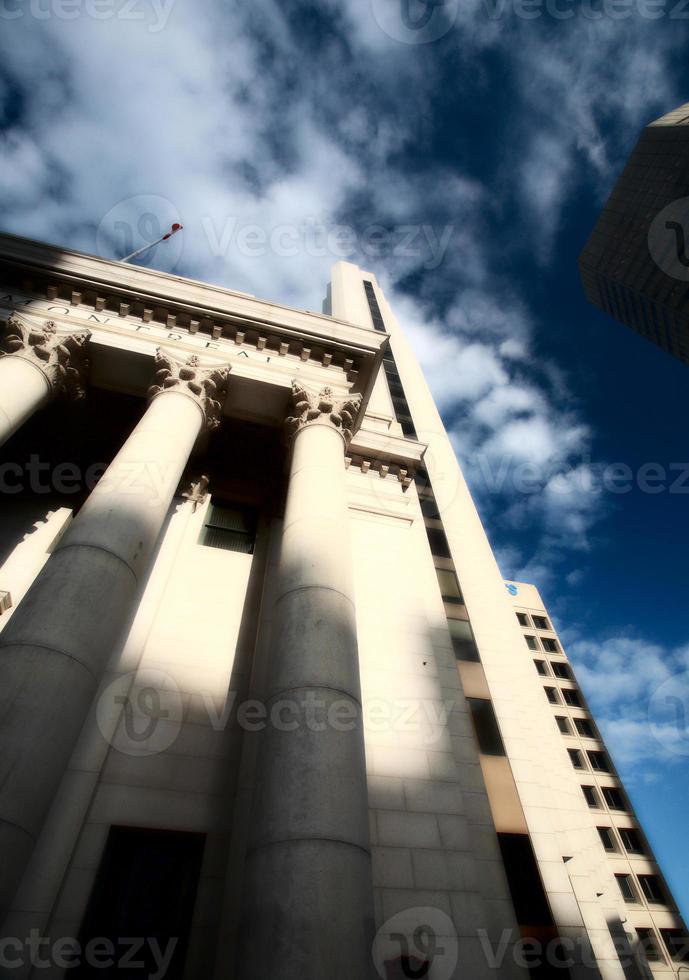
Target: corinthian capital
{"points": [[309, 407], [60, 355], [206, 385]]}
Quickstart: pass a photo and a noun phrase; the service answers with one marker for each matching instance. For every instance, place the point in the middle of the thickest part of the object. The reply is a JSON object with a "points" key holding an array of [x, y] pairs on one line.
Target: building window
{"points": [[523, 619], [486, 726], [449, 586], [599, 761], [607, 838], [584, 727], [549, 645], [229, 527], [563, 725], [5, 602], [541, 623], [576, 758], [649, 945], [463, 642], [561, 670], [652, 889], [551, 694], [438, 542], [626, 887], [677, 944], [571, 697], [613, 797], [541, 667], [591, 796], [632, 840], [145, 886], [531, 642]]}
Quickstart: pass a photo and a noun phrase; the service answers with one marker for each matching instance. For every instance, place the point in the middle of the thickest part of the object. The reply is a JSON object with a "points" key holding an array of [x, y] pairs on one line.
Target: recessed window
{"points": [[551, 694], [585, 727], [449, 586], [561, 670], [230, 527], [607, 838], [613, 797], [576, 758], [541, 623], [563, 725], [591, 796], [541, 667], [626, 887], [531, 642], [632, 840], [652, 889], [677, 944], [599, 761], [571, 697], [5, 602], [649, 945], [550, 645], [523, 619], [438, 542], [486, 726], [463, 642]]}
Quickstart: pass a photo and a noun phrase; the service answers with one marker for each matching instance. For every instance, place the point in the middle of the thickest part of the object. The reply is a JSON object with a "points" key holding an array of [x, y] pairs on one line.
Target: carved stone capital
{"points": [[61, 356], [318, 408], [207, 386]]}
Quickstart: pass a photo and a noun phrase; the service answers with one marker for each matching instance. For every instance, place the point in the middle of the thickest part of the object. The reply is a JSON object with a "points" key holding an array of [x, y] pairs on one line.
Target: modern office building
{"points": [[268, 710], [635, 265]]}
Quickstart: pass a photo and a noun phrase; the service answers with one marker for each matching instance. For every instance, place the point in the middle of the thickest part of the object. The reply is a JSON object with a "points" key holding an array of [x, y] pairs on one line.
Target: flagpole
{"points": [[144, 248]]}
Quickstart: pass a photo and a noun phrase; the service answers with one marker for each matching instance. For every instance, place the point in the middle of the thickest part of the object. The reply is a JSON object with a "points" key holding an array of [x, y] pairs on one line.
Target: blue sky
{"points": [[464, 163]]}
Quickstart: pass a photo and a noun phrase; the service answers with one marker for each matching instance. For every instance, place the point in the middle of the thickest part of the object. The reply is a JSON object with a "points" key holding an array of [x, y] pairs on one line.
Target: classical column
{"points": [[308, 896], [56, 646], [37, 363]]}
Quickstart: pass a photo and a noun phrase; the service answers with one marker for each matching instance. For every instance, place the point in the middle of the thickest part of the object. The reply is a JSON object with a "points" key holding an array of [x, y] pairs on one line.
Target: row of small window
{"points": [[547, 642], [650, 885], [631, 840], [675, 940], [540, 622], [559, 669], [614, 797], [569, 696], [584, 727], [598, 761]]}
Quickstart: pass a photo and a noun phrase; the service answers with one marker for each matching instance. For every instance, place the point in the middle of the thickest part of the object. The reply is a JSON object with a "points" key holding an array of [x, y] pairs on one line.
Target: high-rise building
{"points": [[267, 708], [635, 265]]}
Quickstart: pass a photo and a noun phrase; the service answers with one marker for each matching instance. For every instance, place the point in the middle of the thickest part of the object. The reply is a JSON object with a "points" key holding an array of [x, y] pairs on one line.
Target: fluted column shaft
{"points": [[308, 892], [36, 363], [54, 649]]}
